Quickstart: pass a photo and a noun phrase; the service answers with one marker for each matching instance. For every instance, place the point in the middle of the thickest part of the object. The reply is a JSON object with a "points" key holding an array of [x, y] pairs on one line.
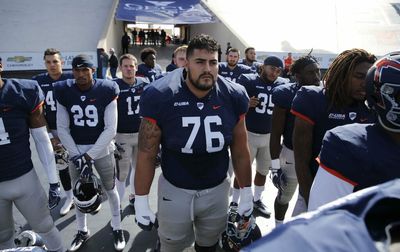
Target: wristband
{"points": [[275, 164]]}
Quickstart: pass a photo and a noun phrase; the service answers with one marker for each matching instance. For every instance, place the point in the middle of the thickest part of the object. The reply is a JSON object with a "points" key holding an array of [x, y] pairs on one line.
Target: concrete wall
{"points": [[112, 32], [221, 33]]}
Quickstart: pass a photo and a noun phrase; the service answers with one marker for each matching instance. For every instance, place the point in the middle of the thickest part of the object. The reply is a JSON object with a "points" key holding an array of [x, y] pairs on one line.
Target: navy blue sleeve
{"points": [[246, 83], [305, 105], [32, 95], [241, 100], [150, 103], [59, 92], [339, 157], [282, 97]]}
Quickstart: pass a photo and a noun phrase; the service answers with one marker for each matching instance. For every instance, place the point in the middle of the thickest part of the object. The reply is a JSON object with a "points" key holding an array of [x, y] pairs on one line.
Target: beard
{"points": [[201, 85], [232, 63]]}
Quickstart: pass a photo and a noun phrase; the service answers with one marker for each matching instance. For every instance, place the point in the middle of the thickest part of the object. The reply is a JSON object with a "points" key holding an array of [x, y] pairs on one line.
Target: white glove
{"points": [[245, 207], [144, 217]]}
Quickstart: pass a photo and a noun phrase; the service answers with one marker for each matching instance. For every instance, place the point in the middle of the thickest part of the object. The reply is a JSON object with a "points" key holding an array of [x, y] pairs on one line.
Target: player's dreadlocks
{"points": [[202, 41], [337, 79]]}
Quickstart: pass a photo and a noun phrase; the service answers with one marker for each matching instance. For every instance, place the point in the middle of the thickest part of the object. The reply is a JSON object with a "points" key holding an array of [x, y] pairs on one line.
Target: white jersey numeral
{"points": [[4, 137], [210, 135], [50, 101], [129, 101], [266, 104], [90, 113]]}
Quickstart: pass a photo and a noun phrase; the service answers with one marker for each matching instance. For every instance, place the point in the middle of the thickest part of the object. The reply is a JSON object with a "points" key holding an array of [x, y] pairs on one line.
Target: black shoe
{"points": [[263, 209], [119, 240], [79, 239]]}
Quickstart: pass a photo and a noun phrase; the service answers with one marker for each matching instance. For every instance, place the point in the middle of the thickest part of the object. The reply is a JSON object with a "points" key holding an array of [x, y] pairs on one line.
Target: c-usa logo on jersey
{"points": [[200, 105], [352, 115], [83, 98]]}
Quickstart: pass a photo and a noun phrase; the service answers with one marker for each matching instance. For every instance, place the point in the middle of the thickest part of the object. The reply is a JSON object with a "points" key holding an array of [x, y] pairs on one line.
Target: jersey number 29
{"points": [[90, 113]]}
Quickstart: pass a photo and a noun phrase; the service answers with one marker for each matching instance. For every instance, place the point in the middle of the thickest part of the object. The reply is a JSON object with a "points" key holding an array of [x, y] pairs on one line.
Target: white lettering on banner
{"points": [[20, 61]]}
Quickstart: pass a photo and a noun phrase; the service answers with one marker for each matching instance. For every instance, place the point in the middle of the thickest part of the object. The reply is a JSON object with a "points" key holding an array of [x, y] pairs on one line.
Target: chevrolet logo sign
{"points": [[19, 59]]}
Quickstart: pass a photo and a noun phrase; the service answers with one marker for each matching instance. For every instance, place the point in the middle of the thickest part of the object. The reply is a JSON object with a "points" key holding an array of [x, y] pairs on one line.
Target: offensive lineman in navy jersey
{"points": [[357, 156], [258, 122], [318, 109], [231, 70], [131, 88], [87, 124], [306, 71], [54, 63], [20, 111], [196, 116]]}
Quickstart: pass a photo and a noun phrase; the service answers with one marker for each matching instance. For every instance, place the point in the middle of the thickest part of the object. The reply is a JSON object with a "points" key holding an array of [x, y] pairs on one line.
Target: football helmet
{"points": [[61, 155], [239, 232], [87, 194], [383, 90]]}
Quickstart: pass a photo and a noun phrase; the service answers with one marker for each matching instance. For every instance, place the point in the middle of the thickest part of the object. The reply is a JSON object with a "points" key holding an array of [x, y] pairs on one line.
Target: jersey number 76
{"points": [[217, 136]]}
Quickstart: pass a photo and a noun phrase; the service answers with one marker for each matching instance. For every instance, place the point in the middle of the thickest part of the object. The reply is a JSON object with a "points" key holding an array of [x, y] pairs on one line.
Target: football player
{"points": [[87, 124], [196, 115], [318, 109], [149, 68], [20, 112], [367, 221], [306, 71], [258, 123], [356, 156], [231, 70], [250, 59], [178, 58], [131, 88], [54, 63]]}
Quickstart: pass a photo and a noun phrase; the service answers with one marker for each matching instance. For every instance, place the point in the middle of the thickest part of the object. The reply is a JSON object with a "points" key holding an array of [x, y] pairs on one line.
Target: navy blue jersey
{"points": [[18, 99], [233, 74], [150, 73], [312, 105], [196, 132], [361, 154], [283, 96], [258, 119], [255, 65], [352, 223], [128, 105], [171, 67], [50, 106], [86, 109]]}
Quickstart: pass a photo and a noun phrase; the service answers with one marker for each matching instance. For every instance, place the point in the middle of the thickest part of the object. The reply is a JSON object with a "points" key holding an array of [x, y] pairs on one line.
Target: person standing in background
{"points": [[104, 59], [113, 63]]}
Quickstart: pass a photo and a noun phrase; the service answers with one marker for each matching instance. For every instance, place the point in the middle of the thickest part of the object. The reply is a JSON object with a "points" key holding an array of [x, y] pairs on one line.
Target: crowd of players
{"points": [[331, 136]]}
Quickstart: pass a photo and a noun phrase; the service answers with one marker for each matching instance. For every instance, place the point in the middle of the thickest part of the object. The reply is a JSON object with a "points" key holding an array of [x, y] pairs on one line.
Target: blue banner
{"points": [[163, 12]]}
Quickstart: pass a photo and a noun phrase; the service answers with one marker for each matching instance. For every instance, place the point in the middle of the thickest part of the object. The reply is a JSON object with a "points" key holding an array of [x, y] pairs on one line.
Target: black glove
{"points": [[83, 165], [278, 178], [118, 150]]}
